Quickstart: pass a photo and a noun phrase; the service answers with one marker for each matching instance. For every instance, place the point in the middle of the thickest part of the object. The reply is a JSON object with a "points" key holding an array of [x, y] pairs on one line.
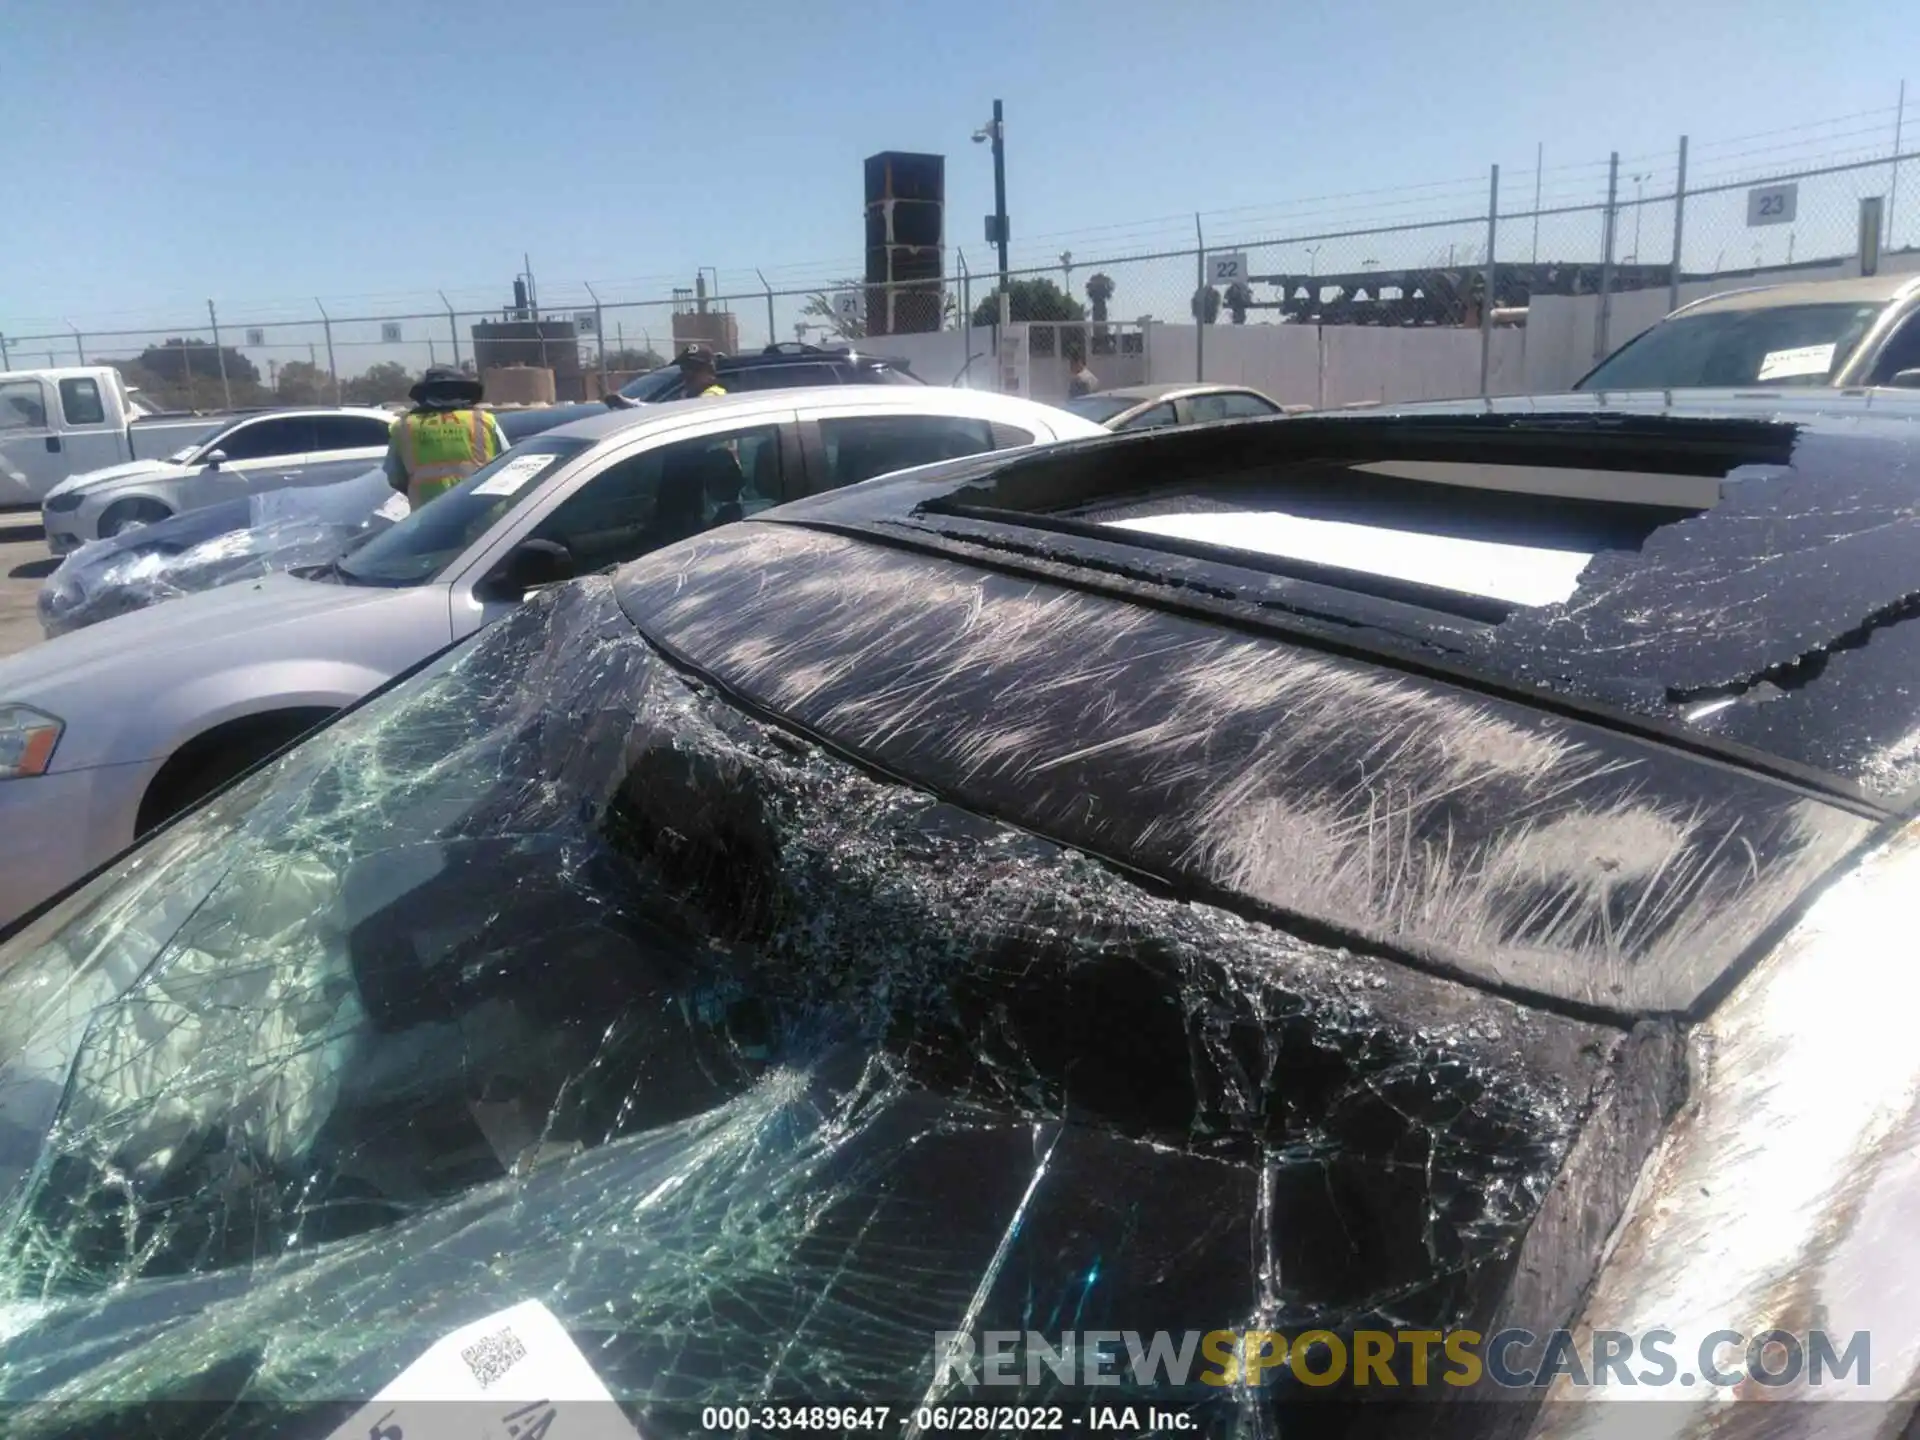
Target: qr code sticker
{"points": [[492, 1356]]}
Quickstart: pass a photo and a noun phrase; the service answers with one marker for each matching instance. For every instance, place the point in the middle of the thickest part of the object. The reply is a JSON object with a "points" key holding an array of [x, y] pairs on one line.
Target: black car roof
{"points": [[1813, 546]]}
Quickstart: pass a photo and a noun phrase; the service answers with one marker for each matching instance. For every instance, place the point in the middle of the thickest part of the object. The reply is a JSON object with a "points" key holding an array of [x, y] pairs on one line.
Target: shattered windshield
{"points": [[433, 537], [550, 976]]}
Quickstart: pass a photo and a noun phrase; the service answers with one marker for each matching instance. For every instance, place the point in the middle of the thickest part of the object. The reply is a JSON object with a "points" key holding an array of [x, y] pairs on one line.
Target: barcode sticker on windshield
{"points": [[1806, 360], [513, 477], [514, 1375]]}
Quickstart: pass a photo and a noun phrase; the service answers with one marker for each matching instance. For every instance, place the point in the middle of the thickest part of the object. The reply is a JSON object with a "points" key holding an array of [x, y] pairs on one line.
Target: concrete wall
{"points": [[1295, 364]]}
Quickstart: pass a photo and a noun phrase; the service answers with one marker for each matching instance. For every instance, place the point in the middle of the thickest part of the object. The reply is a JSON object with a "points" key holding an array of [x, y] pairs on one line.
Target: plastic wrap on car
{"points": [[285, 529], [1521, 849], [552, 975]]}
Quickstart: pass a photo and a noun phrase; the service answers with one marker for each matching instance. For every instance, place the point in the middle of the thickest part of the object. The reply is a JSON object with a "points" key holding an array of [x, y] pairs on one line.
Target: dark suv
{"points": [[778, 367]]}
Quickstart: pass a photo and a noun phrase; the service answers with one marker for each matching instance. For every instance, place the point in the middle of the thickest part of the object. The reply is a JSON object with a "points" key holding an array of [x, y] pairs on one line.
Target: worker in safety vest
{"points": [[443, 439], [696, 366]]}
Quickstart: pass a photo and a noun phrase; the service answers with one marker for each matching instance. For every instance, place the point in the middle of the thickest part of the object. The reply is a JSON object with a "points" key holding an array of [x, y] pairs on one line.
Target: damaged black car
{"points": [[1259, 893]]}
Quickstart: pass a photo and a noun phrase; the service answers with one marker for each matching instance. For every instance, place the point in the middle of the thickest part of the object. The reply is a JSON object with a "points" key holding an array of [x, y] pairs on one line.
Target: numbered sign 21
{"points": [[1227, 269]]}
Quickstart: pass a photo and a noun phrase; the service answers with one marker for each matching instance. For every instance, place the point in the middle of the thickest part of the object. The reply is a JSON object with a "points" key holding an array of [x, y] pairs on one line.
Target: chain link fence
{"points": [[1530, 278]]}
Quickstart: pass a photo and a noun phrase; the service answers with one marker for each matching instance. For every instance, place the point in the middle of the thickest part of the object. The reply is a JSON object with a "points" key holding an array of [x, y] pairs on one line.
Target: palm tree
{"points": [[1205, 305], [1099, 292], [1239, 297]]}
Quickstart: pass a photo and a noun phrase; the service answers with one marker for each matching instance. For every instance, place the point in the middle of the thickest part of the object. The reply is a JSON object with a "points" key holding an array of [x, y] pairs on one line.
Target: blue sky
{"points": [[373, 153]]}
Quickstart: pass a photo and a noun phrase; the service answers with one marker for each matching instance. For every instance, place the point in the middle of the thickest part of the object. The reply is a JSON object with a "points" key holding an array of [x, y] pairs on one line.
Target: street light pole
{"points": [[997, 133]]}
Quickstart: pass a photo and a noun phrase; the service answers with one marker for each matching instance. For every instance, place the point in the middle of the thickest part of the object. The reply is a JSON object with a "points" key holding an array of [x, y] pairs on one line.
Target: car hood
{"points": [[165, 638], [115, 474]]}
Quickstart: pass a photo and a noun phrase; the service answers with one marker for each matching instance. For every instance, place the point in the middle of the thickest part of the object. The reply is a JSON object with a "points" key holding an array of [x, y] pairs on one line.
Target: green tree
{"points": [[387, 381], [1205, 305], [176, 358], [1034, 299], [819, 307], [303, 383], [1239, 300], [1099, 292]]}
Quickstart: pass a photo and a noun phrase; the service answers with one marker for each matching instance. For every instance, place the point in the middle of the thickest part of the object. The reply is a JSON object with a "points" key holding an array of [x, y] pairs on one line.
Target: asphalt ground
{"points": [[24, 564]]}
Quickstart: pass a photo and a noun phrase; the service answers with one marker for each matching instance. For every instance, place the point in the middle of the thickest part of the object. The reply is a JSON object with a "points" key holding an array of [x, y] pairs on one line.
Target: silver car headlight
{"points": [[27, 741]]}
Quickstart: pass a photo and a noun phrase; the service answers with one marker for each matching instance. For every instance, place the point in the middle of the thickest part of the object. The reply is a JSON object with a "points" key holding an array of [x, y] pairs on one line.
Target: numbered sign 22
{"points": [[1228, 269]]}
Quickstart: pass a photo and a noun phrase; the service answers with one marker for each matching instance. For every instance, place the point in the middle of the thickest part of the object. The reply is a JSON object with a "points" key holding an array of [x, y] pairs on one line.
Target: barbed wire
{"points": [[1389, 213]]}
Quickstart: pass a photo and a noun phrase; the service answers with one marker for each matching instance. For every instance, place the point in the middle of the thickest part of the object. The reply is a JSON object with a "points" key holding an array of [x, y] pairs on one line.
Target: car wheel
{"points": [[125, 515]]}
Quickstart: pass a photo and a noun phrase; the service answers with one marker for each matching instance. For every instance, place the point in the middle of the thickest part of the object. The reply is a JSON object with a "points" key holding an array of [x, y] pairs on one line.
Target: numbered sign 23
{"points": [[1772, 204]]}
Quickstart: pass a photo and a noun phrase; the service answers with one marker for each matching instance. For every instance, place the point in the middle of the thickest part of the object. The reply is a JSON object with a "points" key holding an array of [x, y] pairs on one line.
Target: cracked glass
{"points": [[551, 975]]}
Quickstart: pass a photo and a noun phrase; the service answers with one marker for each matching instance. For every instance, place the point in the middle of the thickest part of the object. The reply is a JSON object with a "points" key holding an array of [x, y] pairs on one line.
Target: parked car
{"points": [[963, 904], [64, 420], [778, 367], [275, 531], [1149, 407], [127, 722], [255, 453], [1836, 333], [239, 539]]}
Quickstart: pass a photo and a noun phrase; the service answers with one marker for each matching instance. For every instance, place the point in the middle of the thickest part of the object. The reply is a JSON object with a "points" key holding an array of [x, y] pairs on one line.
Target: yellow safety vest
{"points": [[710, 392], [440, 448]]}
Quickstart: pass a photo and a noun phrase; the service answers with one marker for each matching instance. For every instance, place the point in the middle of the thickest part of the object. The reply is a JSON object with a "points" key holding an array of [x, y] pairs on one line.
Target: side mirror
{"points": [[215, 459], [1906, 380], [528, 566]]}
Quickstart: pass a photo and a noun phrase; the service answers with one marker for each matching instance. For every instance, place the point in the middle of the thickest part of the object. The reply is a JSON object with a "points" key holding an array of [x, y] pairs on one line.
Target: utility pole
{"points": [[1893, 187], [1539, 159], [220, 355], [997, 133]]}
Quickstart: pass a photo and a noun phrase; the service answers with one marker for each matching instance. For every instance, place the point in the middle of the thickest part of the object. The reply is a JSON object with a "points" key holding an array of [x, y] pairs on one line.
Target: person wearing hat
{"points": [[702, 382], [443, 439]]}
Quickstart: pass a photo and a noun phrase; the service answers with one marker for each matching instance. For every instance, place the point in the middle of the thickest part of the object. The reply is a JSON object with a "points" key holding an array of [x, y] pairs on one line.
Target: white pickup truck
{"points": [[62, 422]]}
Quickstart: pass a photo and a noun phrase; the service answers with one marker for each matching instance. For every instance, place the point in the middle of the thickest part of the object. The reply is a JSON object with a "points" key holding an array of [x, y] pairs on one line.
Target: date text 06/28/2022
{"points": [[940, 1419]]}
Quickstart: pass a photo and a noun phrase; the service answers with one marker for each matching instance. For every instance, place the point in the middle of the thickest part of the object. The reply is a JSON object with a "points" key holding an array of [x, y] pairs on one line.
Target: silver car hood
{"points": [[103, 664], [114, 474]]}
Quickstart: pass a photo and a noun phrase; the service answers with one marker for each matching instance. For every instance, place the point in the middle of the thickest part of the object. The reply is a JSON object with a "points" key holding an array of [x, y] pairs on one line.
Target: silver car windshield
{"points": [[423, 544], [1787, 345]]}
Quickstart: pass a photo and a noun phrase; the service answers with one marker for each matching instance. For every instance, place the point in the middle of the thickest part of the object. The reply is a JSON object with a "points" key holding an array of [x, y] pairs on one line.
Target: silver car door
{"points": [[758, 442]]}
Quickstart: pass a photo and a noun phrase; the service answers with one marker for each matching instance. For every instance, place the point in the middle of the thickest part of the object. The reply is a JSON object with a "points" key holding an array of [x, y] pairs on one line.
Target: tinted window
{"points": [[1784, 345], [348, 432], [80, 402], [436, 534], [22, 407], [779, 377], [1159, 415], [860, 447], [666, 494], [1234, 406], [266, 439]]}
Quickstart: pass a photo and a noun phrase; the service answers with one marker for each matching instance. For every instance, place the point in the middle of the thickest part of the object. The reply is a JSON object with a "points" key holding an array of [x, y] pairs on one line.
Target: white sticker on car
{"points": [[1805, 360], [396, 508], [514, 476], [516, 1373]]}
